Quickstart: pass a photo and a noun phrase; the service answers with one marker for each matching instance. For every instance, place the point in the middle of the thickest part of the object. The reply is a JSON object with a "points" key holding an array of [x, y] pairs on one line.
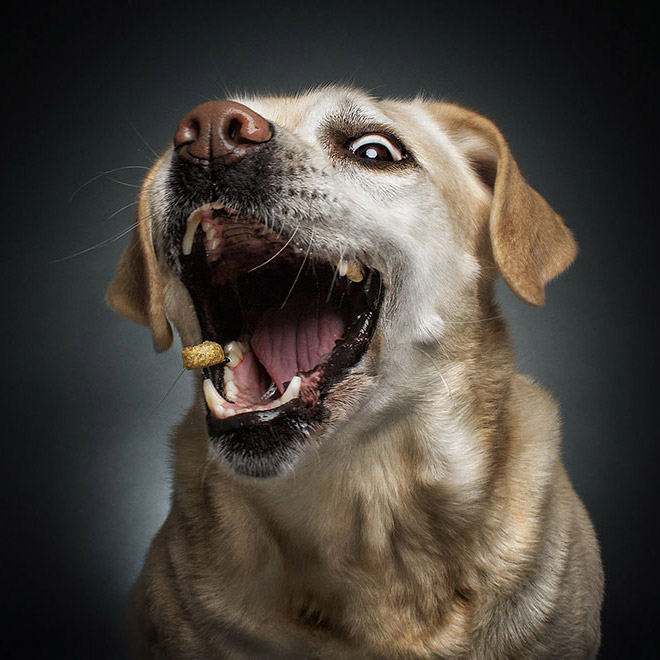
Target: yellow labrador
{"points": [[365, 475]]}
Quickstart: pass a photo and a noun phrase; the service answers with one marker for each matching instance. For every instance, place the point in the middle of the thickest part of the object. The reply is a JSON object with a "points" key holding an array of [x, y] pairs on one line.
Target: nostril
{"points": [[234, 130], [194, 129], [188, 132], [220, 129]]}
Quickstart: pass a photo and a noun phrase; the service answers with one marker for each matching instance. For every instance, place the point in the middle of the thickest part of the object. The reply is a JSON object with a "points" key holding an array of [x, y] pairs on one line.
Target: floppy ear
{"points": [[530, 242], [136, 291]]}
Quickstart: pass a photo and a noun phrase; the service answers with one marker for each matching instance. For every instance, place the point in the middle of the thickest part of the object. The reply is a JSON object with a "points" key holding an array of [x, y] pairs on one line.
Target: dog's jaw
{"points": [[259, 269]]}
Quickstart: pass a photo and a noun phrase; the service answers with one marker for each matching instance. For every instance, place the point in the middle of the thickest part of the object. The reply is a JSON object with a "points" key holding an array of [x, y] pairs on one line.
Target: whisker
{"points": [[318, 289], [237, 232], [98, 176], [107, 241], [172, 386], [488, 318], [302, 265], [146, 144], [278, 252], [123, 183], [118, 211], [201, 96], [332, 284], [421, 350]]}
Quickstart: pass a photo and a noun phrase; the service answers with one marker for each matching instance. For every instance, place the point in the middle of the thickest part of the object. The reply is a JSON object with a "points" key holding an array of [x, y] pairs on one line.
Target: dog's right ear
{"points": [[530, 242], [136, 291]]}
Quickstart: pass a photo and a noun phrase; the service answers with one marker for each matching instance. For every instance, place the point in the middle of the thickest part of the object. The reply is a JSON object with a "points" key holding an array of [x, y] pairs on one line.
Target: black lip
{"points": [[263, 450], [245, 420]]}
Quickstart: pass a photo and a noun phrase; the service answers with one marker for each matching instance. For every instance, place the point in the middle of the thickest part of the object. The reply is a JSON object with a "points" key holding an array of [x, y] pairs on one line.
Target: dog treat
{"points": [[205, 354]]}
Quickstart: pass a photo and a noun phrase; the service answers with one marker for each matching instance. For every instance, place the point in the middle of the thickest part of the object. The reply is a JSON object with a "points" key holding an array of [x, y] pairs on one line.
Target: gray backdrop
{"points": [[99, 87]]}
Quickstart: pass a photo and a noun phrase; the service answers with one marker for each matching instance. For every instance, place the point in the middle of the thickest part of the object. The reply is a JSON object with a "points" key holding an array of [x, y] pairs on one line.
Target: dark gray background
{"points": [[89, 89]]}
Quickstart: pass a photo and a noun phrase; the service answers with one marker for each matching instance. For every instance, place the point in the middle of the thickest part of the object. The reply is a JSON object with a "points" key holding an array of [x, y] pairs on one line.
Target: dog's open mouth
{"points": [[292, 324]]}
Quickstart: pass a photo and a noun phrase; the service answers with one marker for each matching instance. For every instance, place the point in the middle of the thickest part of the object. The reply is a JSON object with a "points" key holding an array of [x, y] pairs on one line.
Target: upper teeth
{"points": [[191, 227], [355, 273], [193, 222], [351, 269]]}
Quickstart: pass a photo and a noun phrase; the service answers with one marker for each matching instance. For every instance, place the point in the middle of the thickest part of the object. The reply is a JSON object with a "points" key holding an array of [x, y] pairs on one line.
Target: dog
{"points": [[364, 475]]}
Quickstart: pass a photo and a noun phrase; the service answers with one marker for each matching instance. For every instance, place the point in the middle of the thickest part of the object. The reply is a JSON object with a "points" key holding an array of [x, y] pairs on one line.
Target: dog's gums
{"points": [[292, 324]]}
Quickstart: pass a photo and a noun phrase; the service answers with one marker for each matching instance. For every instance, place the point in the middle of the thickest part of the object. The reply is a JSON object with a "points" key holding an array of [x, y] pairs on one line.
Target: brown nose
{"points": [[220, 130]]}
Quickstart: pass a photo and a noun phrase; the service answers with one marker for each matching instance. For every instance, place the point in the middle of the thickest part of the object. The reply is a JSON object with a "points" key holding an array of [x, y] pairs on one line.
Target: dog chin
{"points": [[264, 443]]}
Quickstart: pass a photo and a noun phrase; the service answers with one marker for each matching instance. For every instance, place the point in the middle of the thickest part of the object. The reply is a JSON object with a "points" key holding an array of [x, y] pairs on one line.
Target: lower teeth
{"points": [[222, 408], [226, 406], [234, 351]]}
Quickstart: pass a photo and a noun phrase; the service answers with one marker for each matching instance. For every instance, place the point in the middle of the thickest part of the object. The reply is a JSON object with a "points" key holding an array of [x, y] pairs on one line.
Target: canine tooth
{"points": [[212, 244], [191, 227], [354, 272], [234, 351], [206, 225], [214, 400], [342, 267], [292, 391]]}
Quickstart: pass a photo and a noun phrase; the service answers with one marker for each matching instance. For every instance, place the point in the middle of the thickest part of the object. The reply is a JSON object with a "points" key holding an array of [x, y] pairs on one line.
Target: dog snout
{"points": [[220, 131]]}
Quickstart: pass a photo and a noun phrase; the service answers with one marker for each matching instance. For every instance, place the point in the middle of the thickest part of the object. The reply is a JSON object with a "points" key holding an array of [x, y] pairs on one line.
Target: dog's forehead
{"points": [[304, 113]]}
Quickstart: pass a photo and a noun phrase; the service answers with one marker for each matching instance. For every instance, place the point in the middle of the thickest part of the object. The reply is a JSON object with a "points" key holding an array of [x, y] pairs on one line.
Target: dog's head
{"points": [[323, 239]]}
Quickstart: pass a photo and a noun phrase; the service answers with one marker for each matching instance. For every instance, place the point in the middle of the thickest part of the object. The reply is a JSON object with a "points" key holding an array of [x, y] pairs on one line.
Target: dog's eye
{"points": [[374, 146]]}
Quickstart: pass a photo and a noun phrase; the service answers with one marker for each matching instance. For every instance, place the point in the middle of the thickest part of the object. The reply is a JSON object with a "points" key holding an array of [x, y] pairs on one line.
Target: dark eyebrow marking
{"points": [[351, 121]]}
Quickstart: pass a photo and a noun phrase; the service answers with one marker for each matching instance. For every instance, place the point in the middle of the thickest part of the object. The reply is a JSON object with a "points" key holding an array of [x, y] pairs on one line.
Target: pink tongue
{"points": [[288, 341]]}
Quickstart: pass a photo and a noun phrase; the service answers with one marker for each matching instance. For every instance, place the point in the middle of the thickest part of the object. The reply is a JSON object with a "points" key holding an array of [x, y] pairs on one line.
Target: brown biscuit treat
{"points": [[205, 354]]}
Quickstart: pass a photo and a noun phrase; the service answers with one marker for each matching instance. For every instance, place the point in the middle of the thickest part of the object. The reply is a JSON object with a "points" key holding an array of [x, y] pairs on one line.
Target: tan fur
{"points": [[136, 291], [442, 527], [530, 243]]}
